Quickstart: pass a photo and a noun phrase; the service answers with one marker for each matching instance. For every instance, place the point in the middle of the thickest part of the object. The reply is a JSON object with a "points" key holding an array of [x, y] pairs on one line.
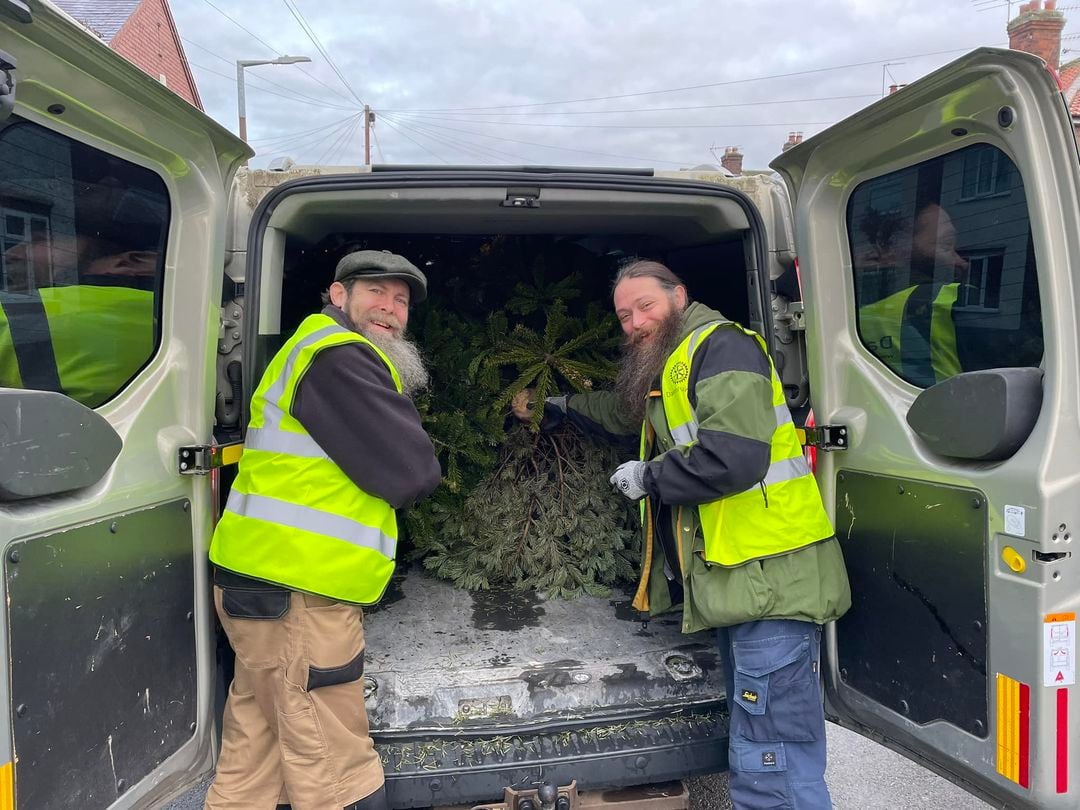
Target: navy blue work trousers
{"points": [[776, 753]]}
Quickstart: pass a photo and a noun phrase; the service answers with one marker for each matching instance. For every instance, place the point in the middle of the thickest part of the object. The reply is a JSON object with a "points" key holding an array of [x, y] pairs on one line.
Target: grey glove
{"points": [[629, 479]]}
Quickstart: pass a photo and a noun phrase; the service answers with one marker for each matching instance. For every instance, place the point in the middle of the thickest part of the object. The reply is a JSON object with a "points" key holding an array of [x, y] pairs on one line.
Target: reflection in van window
{"points": [[944, 269], [82, 237]]}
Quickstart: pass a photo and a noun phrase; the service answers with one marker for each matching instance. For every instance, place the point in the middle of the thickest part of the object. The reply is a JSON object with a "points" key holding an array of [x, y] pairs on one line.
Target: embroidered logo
{"points": [[679, 372], [768, 758], [750, 696]]}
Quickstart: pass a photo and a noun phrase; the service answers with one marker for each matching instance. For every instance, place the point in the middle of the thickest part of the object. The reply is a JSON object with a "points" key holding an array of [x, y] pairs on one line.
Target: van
{"points": [[931, 320]]}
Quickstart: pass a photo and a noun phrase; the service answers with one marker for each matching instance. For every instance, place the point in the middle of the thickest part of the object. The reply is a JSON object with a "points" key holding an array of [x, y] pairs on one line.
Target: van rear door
{"points": [[112, 204], [937, 234]]}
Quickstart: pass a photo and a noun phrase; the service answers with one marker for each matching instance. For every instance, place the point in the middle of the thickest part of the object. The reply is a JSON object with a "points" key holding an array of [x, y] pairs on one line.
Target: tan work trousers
{"points": [[283, 742]]}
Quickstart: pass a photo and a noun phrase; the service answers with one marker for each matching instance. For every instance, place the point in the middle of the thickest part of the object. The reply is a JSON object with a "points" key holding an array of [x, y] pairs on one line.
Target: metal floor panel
{"points": [[441, 657]]}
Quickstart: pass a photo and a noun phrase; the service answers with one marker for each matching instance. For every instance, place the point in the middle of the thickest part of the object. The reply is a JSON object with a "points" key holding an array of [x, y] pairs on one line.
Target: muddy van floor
{"points": [[439, 657]]}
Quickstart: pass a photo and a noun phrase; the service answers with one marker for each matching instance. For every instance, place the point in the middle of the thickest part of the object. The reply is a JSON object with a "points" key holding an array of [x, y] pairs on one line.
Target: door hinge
{"points": [[796, 316], [200, 459], [824, 437]]}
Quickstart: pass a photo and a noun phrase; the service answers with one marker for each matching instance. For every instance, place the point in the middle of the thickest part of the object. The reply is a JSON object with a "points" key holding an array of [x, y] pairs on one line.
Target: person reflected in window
{"points": [[85, 340], [913, 331]]}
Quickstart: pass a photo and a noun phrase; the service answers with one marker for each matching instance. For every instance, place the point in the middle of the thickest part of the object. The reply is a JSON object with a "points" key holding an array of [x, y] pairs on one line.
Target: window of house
{"points": [[986, 171], [944, 269], [82, 238]]}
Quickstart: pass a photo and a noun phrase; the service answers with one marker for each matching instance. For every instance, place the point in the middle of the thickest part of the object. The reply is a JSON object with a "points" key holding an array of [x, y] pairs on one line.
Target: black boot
{"points": [[376, 801]]}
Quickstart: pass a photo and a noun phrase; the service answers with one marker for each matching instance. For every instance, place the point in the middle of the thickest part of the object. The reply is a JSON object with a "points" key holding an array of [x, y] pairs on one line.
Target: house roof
{"points": [[105, 17], [1070, 84]]}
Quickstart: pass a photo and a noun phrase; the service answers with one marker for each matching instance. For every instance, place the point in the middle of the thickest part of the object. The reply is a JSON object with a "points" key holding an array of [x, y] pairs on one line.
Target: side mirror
{"points": [[49, 444], [979, 415]]}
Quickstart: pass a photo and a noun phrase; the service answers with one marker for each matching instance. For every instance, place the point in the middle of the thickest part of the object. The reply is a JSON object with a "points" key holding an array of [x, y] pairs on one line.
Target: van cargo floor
{"points": [[439, 657]]}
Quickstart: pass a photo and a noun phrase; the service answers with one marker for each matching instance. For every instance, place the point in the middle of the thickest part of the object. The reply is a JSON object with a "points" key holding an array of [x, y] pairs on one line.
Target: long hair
{"points": [[647, 268]]}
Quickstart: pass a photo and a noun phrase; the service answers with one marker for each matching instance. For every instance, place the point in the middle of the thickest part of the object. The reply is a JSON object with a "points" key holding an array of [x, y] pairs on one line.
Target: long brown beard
{"points": [[641, 364]]}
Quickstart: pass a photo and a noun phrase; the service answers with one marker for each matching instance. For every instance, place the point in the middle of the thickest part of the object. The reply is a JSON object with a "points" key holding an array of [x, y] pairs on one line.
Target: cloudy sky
{"points": [[568, 82]]}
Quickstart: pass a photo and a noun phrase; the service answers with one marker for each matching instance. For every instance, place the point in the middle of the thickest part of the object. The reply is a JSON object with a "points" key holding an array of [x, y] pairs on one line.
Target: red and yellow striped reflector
{"points": [[1013, 730]]}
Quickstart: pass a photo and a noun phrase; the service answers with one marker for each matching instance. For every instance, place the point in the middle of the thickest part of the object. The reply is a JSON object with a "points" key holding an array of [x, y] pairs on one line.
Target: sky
{"points": [[568, 82]]}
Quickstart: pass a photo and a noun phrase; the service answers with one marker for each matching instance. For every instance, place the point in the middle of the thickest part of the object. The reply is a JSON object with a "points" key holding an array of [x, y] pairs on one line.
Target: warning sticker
{"points": [[1015, 520], [1059, 649]]}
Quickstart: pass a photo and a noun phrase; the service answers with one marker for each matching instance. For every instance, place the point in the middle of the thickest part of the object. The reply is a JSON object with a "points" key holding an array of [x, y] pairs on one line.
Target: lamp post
{"points": [[244, 63]]}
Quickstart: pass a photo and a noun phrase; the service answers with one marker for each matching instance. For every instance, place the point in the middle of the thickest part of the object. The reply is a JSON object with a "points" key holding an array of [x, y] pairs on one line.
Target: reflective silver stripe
{"points": [[305, 518], [282, 441], [276, 390], [786, 470], [694, 338], [783, 415], [686, 433]]}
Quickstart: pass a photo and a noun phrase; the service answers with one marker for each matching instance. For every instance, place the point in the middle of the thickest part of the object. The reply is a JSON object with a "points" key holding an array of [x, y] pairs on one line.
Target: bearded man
{"points": [[734, 529], [334, 446]]}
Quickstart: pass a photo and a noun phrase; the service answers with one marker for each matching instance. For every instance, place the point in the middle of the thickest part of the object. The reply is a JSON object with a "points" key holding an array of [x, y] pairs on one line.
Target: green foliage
{"points": [[527, 509], [545, 519], [568, 355]]}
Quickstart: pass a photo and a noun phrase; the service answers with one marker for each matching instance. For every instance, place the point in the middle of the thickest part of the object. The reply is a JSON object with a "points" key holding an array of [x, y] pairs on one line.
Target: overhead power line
{"points": [[499, 152], [645, 160], [486, 152], [303, 23], [257, 38], [375, 135], [271, 92], [531, 124], [284, 136], [390, 124], [665, 109], [789, 75], [339, 143], [484, 157], [306, 143], [254, 76]]}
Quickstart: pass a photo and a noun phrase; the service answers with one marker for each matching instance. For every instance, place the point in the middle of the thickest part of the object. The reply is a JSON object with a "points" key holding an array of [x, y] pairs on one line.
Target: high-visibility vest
{"points": [[882, 323], [293, 517], [82, 340], [780, 514]]}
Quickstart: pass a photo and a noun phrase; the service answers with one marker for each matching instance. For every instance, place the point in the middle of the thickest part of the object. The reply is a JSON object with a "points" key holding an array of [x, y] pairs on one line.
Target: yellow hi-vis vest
{"points": [[783, 512], [82, 340], [881, 323], [293, 517]]}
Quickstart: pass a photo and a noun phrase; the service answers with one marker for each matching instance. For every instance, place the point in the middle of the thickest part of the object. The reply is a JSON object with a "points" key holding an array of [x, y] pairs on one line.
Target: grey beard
{"points": [[406, 358], [641, 364]]}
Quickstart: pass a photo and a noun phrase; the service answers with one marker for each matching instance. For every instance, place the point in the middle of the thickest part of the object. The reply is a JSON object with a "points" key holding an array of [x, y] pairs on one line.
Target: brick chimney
{"points": [[732, 160], [793, 139], [894, 88], [1037, 30]]}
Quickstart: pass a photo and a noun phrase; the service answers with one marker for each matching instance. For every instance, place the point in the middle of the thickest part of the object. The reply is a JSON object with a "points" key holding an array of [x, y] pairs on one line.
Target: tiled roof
{"points": [[1070, 83], [106, 17]]}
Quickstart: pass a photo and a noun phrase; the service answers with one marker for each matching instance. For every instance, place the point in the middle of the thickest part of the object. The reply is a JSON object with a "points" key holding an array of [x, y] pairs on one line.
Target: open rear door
{"points": [[112, 209], [939, 236]]}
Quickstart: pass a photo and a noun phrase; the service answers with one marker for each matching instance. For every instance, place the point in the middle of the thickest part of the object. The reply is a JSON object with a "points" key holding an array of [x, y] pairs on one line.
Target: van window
{"points": [[944, 270], [82, 236]]}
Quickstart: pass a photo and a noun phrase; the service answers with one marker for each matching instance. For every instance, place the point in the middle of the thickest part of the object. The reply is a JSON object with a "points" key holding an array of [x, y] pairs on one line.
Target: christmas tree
{"points": [[519, 506]]}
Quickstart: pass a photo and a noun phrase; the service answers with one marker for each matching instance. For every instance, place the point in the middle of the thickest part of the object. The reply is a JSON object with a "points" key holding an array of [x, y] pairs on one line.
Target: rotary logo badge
{"points": [[679, 372]]}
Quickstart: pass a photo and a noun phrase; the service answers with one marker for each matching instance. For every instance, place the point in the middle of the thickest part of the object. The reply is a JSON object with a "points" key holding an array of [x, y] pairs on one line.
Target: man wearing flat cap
{"points": [[308, 537]]}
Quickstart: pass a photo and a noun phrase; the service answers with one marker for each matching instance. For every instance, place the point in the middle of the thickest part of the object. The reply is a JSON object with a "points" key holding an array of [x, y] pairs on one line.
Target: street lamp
{"points": [[244, 63]]}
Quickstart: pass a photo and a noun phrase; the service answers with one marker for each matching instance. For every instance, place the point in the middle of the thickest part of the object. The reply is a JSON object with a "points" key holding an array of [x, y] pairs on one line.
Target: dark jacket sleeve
{"points": [[348, 403], [731, 390]]}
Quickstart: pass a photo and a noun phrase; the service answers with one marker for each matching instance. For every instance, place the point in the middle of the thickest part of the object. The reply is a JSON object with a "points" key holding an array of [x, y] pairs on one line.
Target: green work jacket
{"points": [[807, 583]]}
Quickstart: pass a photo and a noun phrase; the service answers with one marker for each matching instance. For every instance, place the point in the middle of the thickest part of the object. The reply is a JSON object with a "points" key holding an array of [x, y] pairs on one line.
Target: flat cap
{"points": [[383, 264]]}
